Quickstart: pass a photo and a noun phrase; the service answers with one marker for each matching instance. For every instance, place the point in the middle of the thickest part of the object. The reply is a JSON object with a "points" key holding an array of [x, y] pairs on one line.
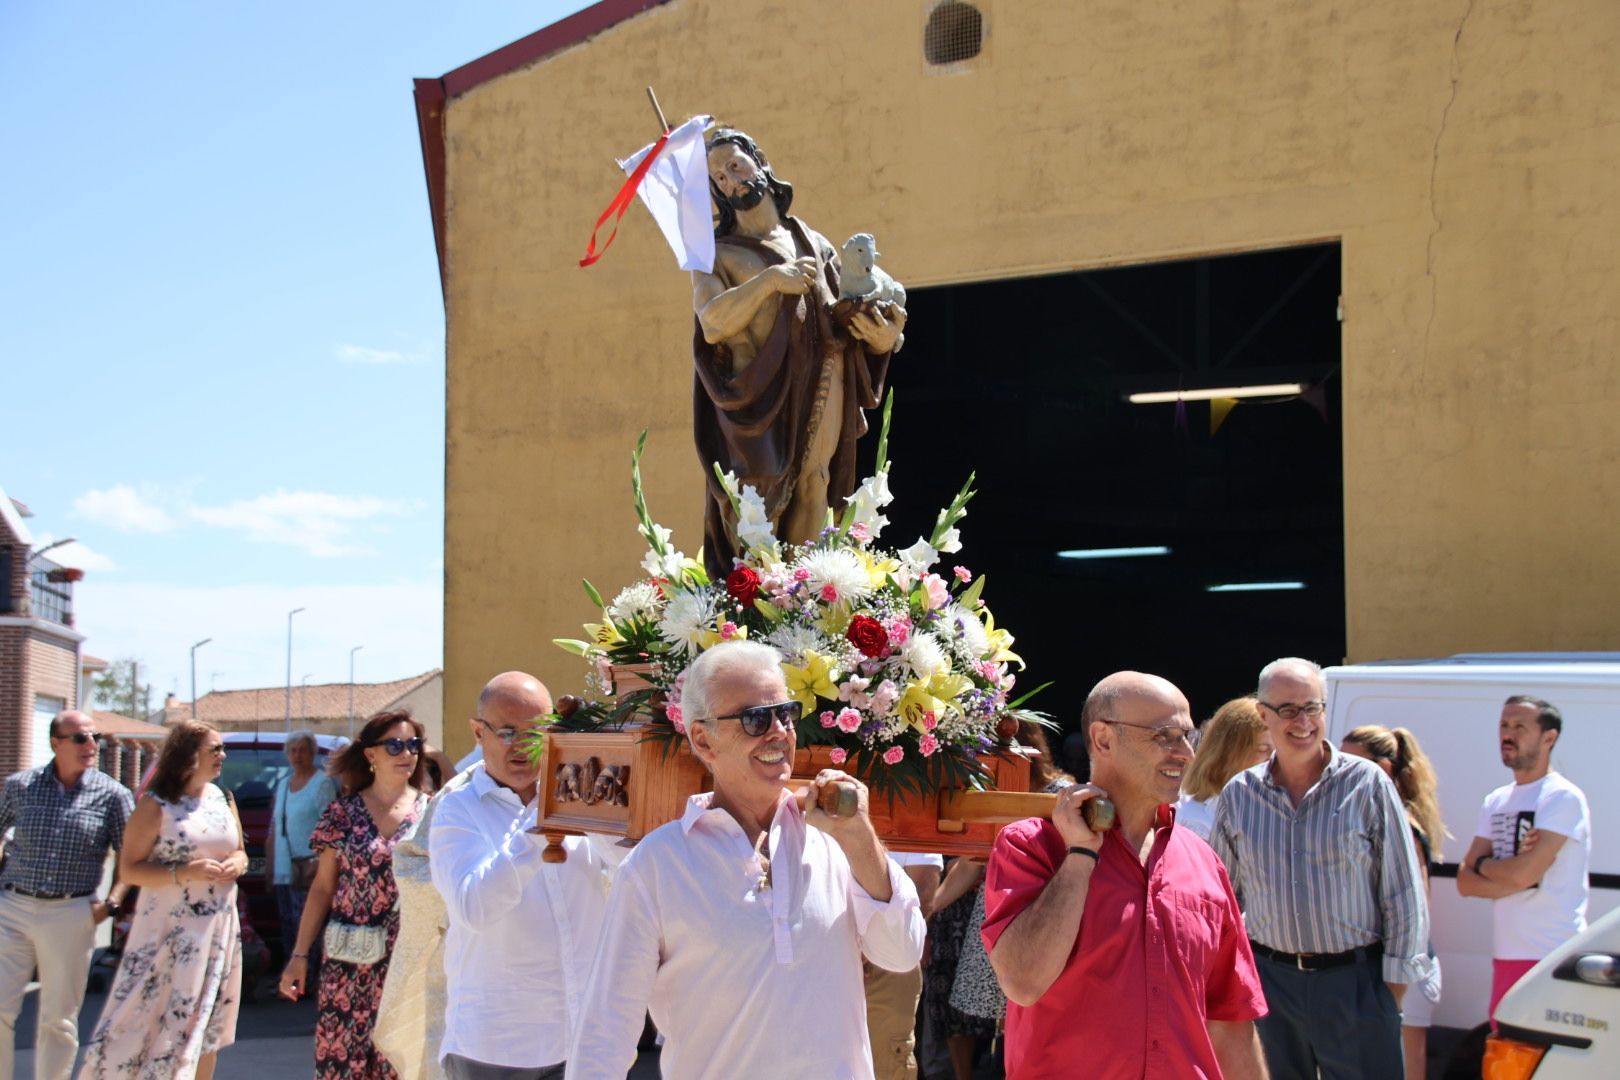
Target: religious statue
{"points": [[785, 360]]}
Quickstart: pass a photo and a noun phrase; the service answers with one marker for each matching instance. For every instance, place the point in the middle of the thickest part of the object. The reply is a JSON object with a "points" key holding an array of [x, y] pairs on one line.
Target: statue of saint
{"points": [[780, 382]]}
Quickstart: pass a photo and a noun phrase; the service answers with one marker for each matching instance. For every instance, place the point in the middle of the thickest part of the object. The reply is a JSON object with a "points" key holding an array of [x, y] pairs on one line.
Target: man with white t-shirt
{"points": [[1531, 849]]}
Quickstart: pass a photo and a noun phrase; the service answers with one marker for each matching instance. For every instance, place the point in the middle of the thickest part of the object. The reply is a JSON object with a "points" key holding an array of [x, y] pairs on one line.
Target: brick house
{"points": [[39, 648], [323, 709]]}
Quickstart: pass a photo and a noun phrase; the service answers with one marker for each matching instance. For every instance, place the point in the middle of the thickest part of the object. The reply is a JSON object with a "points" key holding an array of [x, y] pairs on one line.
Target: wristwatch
{"points": [[114, 908]]}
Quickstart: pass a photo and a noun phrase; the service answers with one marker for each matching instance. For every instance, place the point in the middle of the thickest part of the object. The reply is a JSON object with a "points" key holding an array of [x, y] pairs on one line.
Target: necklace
{"points": [[762, 853]]}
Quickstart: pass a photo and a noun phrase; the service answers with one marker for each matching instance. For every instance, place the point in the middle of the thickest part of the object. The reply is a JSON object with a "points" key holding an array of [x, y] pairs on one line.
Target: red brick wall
{"points": [[16, 699]]}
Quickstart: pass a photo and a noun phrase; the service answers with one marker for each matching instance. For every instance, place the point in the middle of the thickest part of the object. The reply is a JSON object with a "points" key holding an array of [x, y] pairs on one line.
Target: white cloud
{"points": [[82, 556], [121, 507], [319, 523], [361, 354], [401, 625]]}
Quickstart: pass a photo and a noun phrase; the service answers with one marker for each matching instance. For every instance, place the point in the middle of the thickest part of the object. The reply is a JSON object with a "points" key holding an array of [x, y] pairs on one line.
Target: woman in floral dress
{"points": [[381, 773], [173, 1005]]}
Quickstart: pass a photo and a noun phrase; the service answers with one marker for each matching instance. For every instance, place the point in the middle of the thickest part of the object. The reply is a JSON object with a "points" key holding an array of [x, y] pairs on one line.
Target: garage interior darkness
{"points": [[1025, 381]]}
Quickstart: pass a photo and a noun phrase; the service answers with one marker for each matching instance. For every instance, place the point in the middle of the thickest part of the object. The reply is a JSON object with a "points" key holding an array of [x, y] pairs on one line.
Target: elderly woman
{"points": [[1232, 740], [290, 864], [382, 773], [173, 1006]]}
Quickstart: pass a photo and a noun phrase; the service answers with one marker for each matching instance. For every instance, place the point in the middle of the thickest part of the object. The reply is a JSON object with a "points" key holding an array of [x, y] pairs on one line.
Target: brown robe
{"points": [[760, 423]]}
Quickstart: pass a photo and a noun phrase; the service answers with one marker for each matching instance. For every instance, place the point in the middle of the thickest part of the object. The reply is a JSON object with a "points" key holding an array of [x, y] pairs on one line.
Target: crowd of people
{"points": [[1260, 906]]}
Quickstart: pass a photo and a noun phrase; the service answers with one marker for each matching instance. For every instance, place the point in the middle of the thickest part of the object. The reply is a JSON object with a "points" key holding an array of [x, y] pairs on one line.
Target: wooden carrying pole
{"points": [[663, 125], [958, 809]]}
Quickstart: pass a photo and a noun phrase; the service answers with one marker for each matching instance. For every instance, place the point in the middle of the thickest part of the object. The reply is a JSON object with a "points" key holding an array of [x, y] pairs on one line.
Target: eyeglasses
{"points": [[1169, 736], [396, 747], [1291, 712], [506, 735], [82, 737], [756, 720]]}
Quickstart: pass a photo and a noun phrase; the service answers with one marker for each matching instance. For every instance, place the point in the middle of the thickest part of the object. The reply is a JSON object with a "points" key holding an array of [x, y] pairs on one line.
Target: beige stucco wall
{"points": [[1463, 152]]}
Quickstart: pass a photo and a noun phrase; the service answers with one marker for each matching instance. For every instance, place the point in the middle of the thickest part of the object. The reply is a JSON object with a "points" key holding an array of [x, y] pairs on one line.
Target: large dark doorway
{"points": [[1026, 382]]}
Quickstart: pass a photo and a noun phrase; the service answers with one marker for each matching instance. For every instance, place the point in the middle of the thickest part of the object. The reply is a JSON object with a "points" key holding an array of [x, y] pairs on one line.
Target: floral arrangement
{"points": [[897, 661]]}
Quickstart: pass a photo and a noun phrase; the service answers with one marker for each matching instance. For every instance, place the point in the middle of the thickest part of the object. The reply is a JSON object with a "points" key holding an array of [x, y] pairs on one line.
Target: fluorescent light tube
{"points": [[1257, 586], [1159, 397], [1112, 553]]}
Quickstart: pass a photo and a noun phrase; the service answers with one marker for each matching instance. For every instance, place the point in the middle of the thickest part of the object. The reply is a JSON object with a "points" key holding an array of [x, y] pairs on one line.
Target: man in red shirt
{"points": [[1122, 954]]}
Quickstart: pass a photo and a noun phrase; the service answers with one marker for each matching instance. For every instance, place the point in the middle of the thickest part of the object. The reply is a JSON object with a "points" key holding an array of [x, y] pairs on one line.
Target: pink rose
{"points": [[899, 631], [927, 745], [935, 593], [892, 755], [838, 755], [963, 574], [829, 593], [801, 574], [827, 719], [848, 720]]}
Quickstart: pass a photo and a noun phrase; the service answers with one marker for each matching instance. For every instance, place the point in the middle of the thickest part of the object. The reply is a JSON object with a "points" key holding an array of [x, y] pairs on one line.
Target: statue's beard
{"points": [[753, 191]]}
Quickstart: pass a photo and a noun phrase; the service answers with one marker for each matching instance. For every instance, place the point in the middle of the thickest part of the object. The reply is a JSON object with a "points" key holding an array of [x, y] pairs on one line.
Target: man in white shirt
{"points": [[742, 925], [522, 932], [1531, 849]]}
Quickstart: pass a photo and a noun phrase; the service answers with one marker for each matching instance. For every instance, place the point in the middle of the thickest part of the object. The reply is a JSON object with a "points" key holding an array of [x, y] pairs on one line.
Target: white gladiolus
{"points": [[920, 556], [951, 542]]}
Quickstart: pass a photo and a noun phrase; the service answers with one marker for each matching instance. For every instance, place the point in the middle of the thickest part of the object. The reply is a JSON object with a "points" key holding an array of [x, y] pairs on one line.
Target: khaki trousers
{"points": [[891, 1021], [58, 936]]}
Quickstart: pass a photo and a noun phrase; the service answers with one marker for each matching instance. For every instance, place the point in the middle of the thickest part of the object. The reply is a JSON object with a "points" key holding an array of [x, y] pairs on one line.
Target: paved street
{"points": [[272, 1039]]}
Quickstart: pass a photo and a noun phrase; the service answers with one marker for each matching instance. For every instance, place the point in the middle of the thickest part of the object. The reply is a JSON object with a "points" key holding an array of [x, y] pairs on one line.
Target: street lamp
{"points": [[290, 614], [52, 546], [194, 649], [352, 651], [303, 702]]}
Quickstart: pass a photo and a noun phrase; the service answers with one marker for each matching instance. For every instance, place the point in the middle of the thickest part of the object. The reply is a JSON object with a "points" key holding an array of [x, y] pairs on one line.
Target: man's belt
{"points": [[32, 895], [1318, 961]]}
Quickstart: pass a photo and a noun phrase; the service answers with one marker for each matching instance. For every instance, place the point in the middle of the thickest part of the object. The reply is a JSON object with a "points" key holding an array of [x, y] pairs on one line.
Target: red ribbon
{"points": [[621, 203]]}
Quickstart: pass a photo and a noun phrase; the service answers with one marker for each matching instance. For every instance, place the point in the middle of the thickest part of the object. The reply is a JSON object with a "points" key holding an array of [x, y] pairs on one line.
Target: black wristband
{"points": [[1479, 862], [1084, 851]]}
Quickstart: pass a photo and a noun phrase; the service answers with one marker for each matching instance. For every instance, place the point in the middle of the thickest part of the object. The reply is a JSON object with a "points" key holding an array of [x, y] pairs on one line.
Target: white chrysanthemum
{"points": [[967, 632], [639, 601], [686, 617], [794, 641], [920, 556], [839, 568], [923, 655]]}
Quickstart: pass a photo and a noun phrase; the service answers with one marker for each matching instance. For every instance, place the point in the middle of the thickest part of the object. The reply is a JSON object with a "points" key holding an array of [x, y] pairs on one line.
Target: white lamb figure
{"points": [[863, 278]]}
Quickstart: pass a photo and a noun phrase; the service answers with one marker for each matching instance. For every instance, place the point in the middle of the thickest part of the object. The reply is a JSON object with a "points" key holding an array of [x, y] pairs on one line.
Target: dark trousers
{"points": [[457, 1067], [1342, 1021]]}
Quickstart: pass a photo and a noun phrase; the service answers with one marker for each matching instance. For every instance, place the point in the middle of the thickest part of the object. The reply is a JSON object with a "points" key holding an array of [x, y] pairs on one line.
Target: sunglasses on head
{"points": [[82, 737], [756, 720], [396, 747]]}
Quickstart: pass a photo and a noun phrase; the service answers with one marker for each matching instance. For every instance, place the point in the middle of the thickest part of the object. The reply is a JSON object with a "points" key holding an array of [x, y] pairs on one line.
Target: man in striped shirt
{"points": [[1315, 842]]}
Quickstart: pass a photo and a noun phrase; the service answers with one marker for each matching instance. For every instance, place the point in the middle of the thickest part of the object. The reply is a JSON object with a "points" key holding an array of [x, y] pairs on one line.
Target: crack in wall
{"points": [[1434, 173]]}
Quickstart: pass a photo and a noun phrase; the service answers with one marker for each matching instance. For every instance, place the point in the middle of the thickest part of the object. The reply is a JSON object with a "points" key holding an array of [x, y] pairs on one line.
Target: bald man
{"points": [[68, 816], [1122, 954], [522, 932]]}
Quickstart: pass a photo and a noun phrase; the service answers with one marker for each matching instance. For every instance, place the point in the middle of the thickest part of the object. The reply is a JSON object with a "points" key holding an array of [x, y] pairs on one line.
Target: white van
{"points": [[1452, 705], [1562, 1020]]}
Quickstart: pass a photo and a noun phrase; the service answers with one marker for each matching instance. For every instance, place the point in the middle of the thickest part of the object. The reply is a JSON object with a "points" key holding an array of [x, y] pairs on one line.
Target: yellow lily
{"points": [[1000, 642], [815, 679], [933, 695], [604, 635], [877, 571]]}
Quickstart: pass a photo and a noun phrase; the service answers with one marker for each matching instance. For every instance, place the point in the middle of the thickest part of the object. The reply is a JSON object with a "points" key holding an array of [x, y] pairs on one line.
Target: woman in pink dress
{"points": [[173, 1005]]}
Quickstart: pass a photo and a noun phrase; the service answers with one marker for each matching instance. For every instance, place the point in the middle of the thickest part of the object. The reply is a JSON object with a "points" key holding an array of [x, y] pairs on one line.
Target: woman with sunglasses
{"points": [[381, 774], [173, 1005]]}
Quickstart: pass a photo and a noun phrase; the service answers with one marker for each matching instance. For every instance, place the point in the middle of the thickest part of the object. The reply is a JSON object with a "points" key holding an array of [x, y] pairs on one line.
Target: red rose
{"points": [[868, 635], [742, 583]]}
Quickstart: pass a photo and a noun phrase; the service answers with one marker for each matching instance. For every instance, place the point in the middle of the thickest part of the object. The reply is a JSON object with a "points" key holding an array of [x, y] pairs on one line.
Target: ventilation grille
{"points": [[955, 32]]}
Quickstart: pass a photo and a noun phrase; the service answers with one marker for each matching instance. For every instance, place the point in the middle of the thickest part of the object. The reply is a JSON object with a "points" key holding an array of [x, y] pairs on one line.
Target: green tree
{"points": [[120, 689]]}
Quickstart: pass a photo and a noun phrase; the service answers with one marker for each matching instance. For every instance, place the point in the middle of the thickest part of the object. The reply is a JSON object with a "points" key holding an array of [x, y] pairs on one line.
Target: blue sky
{"points": [[221, 333]]}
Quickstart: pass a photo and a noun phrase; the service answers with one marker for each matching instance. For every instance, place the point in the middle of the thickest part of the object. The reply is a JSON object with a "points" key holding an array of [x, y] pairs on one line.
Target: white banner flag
{"points": [[676, 191]]}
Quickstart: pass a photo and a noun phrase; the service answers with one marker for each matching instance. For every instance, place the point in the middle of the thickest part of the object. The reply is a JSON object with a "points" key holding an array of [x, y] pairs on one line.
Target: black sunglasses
{"points": [[756, 720], [82, 737], [396, 747]]}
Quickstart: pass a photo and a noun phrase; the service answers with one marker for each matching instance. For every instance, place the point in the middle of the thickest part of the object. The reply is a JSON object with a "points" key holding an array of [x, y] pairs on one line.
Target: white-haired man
{"points": [[740, 927], [1316, 843]]}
